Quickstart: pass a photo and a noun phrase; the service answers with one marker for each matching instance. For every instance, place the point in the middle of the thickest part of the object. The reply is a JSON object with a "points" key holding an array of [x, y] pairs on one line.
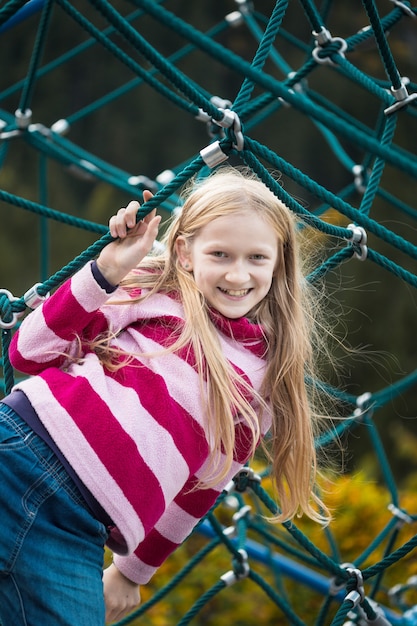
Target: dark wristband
{"points": [[103, 282]]}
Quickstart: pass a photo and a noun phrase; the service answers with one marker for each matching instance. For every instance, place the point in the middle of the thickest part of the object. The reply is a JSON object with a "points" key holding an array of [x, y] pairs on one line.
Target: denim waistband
{"points": [[17, 427], [20, 408]]}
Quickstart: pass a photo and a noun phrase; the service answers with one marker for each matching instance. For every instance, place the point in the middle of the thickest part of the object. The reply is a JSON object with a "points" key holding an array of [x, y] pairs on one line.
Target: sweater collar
{"points": [[241, 330]]}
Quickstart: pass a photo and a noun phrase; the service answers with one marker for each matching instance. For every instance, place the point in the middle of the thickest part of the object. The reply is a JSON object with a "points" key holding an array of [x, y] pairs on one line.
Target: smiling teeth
{"points": [[237, 292]]}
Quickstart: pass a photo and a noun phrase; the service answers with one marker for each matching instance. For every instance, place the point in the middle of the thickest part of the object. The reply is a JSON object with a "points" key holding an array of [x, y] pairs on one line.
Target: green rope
{"points": [[334, 124], [10, 9], [383, 46], [370, 225], [133, 84], [253, 26], [262, 53], [6, 337], [177, 78], [36, 56], [122, 56], [67, 56], [379, 165], [174, 582], [201, 603], [233, 61], [52, 214]]}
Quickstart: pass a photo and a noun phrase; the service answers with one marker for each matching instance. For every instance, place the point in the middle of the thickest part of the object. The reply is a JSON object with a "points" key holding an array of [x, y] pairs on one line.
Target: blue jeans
{"points": [[51, 547]]}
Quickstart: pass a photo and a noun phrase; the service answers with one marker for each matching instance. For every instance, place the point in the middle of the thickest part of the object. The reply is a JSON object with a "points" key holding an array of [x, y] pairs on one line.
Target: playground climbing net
{"points": [[270, 85]]}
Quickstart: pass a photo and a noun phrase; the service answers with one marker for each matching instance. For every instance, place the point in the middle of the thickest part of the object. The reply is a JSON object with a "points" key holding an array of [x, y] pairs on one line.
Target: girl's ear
{"points": [[183, 253]]}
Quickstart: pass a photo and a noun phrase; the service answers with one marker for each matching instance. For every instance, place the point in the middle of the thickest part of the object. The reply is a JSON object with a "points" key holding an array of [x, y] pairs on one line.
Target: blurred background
{"points": [[142, 134]]}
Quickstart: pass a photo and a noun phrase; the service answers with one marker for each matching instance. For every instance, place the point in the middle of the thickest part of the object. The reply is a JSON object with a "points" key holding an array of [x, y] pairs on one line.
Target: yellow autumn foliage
{"points": [[361, 513]]}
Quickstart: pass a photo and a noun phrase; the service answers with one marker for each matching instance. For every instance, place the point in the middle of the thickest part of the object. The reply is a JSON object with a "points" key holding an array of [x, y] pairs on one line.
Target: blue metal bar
{"points": [[31, 7], [296, 571]]}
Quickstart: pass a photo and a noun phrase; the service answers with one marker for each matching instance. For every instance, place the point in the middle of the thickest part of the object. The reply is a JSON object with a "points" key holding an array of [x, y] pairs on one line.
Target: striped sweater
{"points": [[136, 437]]}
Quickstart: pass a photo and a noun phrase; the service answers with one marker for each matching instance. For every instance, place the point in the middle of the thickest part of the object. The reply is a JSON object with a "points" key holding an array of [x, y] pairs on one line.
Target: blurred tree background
{"points": [[144, 134]]}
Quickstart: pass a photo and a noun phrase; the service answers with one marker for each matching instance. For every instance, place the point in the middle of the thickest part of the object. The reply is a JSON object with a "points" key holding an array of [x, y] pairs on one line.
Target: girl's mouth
{"points": [[235, 293]]}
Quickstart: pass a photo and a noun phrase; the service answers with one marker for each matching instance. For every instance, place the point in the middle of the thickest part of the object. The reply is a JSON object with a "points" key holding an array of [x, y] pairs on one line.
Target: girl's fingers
{"points": [[149, 217], [130, 213], [147, 195], [125, 218]]}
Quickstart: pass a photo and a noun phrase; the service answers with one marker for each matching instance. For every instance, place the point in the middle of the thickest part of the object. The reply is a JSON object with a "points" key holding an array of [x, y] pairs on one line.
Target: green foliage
{"points": [[142, 133], [360, 512]]}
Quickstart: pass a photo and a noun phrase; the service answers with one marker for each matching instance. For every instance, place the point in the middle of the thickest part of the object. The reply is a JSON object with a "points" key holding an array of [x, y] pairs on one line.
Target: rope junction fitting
{"points": [[241, 513], [358, 241], [360, 178], [213, 155], [322, 41], [231, 120], [360, 618], [33, 298], [396, 593], [60, 127], [357, 595], [362, 404], [23, 118], [402, 516], [7, 311], [240, 569], [404, 7], [403, 98], [241, 481]]}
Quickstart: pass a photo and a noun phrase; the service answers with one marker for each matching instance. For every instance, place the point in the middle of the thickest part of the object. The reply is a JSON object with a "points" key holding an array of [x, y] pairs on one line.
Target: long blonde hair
{"points": [[286, 317]]}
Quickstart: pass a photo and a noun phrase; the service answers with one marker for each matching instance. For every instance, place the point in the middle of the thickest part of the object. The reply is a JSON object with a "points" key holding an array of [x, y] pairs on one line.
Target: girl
{"points": [[153, 380]]}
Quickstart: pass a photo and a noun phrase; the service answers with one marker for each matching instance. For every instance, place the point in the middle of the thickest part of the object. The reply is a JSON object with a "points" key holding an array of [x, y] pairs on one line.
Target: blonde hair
{"points": [[288, 323]]}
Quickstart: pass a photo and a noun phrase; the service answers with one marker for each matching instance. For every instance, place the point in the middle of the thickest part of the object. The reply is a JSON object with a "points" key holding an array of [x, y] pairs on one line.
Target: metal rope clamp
{"points": [[402, 97], [359, 240], [404, 7], [231, 120], [240, 482], [402, 517], [322, 39], [213, 154], [23, 119], [397, 592], [33, 298], [356, 596], [15, 315], [241, 569], [360, 178], [363, 405], [360, 616]]}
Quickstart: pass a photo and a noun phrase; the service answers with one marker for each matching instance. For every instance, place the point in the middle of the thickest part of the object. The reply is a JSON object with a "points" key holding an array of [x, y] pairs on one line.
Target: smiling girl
{"points": [[154, 378]]}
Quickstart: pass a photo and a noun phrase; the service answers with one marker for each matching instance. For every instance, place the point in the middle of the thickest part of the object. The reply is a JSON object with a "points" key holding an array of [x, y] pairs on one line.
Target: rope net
{"points": [[286, 104]]}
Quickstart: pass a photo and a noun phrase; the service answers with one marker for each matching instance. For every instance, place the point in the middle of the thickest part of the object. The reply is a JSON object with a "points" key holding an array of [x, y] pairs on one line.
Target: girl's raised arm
{"points": [[50, 332], [134, 241]]}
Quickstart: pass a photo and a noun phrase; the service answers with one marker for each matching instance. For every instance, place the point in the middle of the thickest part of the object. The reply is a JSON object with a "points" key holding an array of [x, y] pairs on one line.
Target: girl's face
{"points": [[233, 259]]}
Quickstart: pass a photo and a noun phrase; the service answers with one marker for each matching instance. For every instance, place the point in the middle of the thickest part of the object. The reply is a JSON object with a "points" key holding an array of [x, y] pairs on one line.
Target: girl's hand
{"points": [[134, 241], [121, 595]]}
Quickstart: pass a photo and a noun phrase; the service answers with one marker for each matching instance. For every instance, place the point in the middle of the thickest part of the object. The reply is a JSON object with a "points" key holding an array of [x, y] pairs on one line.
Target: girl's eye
{"points": [[258, 257], [219, 254]]}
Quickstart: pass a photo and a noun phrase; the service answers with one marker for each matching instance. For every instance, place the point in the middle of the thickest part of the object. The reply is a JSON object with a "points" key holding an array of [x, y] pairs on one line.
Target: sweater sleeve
{"points": [[178, 521], [49, 333], [175, 525]]}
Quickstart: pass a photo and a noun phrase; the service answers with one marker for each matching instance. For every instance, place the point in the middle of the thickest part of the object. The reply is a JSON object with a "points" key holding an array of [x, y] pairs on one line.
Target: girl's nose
{"points": [[237, 273]]}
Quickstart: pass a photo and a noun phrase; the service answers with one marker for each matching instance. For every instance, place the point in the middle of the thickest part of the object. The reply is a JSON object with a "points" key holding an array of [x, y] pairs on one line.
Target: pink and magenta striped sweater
{"points": [[135, 437]]}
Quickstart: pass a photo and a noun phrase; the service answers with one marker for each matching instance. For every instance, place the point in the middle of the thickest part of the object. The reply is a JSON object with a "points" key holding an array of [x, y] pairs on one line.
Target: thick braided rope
{"points": [[371, 191]]}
